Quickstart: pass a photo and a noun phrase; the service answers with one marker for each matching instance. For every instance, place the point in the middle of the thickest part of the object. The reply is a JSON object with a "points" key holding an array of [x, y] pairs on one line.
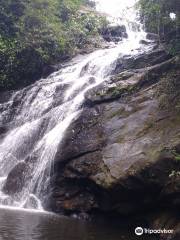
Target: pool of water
{"points": [[26, 225]]}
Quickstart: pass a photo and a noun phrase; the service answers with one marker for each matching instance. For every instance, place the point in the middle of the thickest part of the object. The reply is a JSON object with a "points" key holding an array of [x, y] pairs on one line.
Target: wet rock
{"points": [[167, 219], [32, 203], [83, 136], [47, 70], [114, 33], [140, 61], [16, 178], [126, 83], [71, 196], [145, 42], [3, 129], [108, 93]]}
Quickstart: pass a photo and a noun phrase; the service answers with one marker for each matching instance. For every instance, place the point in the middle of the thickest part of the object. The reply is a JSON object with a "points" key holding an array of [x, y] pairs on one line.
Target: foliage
{"points": [[38, 33], [168, 90], [155, 14], [176, 155]]}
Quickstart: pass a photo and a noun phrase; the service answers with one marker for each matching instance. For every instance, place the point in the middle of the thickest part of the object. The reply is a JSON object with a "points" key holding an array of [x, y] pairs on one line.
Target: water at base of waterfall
{"points": [[39, 115], [24, 225]]}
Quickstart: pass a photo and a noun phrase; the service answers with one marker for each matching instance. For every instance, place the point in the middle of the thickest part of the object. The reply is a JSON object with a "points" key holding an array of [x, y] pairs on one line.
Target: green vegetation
{"points": [[162, 17], [177, 158], [168, 90], [155, 14], [38, 33], [176, 155]]}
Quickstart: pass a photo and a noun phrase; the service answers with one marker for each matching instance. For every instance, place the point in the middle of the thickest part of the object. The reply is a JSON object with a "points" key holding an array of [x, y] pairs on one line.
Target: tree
{"points": [[10, 13], [156, 15], [37, 33]]}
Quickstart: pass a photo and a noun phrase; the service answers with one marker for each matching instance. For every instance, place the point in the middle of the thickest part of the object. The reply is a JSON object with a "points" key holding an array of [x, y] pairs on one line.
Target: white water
{"points": [[41, 114], [123, 12]]}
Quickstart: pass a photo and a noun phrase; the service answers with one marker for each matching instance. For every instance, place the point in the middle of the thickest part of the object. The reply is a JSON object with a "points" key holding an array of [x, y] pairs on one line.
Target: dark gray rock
{"points": [[143, 60], [114, 33], [87, 130], [152, 36], [16, 178]]}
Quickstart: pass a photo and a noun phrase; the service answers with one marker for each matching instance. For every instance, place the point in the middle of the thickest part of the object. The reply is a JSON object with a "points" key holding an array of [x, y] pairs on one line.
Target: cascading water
{"points": [[39, 115]]}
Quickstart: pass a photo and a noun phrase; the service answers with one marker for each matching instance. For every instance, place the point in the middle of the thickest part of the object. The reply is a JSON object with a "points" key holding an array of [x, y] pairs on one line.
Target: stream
{"points": [[25, 225]]}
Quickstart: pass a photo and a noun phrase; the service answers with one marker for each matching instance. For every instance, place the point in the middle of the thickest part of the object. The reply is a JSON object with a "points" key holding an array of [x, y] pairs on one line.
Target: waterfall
{"points": [[38, 116]]}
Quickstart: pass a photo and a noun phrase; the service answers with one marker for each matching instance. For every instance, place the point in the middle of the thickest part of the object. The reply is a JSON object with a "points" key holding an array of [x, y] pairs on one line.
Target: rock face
{"points": [[122, 153]]}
